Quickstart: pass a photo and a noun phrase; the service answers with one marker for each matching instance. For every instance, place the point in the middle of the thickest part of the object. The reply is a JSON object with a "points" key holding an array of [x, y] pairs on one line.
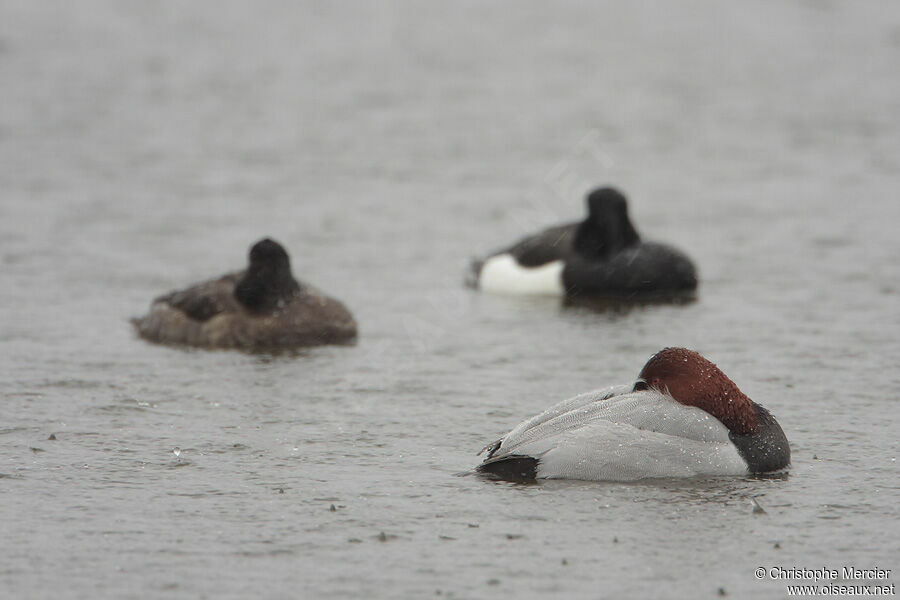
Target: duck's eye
{"points": [[641, 385]]}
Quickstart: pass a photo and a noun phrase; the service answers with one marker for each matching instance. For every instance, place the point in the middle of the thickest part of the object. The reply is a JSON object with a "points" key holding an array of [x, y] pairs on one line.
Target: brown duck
{"points": [[260, 308]]}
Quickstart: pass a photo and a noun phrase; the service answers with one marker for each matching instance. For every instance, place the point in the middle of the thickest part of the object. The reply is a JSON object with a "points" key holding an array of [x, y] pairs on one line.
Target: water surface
{"points": [[144, 146]]}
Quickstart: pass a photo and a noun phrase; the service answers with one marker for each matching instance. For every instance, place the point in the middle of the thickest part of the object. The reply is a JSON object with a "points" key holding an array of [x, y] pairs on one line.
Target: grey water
{"points": [[145, 145]]}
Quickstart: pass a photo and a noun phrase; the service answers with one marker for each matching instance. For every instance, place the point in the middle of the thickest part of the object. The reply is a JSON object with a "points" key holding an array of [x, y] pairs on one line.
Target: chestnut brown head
{"points": [[694, 381]]}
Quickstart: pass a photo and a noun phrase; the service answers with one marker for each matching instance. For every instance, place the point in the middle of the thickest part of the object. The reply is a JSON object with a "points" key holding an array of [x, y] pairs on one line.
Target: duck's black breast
{"points": [[766, 450], [643, 269]]}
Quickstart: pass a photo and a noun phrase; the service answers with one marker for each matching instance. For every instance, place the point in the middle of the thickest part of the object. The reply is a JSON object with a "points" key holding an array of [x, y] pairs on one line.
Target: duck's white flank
{"points": [[502, 274], [623, 438]]}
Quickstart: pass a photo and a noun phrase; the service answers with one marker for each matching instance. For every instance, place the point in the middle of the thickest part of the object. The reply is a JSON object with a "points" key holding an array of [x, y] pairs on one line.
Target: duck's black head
{"points": [[607, 228], [268, 278], [268, 251]]}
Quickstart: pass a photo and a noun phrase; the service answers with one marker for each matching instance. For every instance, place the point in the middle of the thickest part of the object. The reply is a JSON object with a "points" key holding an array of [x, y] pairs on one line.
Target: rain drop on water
{"points": [[176, 451]]}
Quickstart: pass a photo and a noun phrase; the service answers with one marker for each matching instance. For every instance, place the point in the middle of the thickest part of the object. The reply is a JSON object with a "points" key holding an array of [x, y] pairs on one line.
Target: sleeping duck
{"points": [[603, 255], [260, 308], [682, 417]]}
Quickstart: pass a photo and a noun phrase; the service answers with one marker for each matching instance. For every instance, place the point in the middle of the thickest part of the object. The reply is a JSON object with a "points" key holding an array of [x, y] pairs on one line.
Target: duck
{"points": [[682, 417], [601, 256], [262, 307]]}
